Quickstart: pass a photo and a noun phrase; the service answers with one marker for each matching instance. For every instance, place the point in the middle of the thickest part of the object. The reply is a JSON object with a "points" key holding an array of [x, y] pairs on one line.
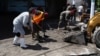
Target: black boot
{"points": [[40, 39]]}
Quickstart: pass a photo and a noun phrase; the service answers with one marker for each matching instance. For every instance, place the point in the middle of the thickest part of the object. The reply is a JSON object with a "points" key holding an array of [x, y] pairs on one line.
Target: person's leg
{"points": [[39, 38], [42, 27], [74, 19], [22, 41], [61, 18], [36, 32], [71, 18], [80, 14], [16, 38], [19, 35], [16, 33], [34, 36]]}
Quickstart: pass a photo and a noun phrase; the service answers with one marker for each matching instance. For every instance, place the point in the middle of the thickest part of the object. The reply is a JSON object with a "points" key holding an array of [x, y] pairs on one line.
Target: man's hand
{"points": [[28, 27]]}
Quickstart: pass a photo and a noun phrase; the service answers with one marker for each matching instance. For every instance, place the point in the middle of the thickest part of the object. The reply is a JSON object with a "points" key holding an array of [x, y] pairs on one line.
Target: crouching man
{"points": [[22, 20], [64, 18], [37, 21]]}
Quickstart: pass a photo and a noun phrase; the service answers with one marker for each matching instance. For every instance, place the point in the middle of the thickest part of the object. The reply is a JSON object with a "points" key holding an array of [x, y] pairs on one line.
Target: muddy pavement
{"points": [[59, 43], [53, 46]]}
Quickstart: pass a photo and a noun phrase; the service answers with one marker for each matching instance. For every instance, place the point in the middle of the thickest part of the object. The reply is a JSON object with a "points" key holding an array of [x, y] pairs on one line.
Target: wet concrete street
{"points": [[53, 46]]}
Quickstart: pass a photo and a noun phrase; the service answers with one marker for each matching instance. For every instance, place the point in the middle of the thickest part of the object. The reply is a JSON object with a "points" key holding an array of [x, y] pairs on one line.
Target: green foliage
{"points": [[98, 9], [98, 5]]}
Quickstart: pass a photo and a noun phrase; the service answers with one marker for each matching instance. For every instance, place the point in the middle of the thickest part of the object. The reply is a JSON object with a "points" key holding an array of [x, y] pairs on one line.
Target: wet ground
{"points": [[54, 45]]}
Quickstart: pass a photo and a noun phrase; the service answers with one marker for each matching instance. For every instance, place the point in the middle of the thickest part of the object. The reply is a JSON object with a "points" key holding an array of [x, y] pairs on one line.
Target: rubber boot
{"points": [[15, 41], [22, 43]]}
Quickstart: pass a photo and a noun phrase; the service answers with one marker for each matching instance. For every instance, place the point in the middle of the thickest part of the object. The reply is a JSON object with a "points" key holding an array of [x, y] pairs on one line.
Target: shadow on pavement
{"points": [[47, 39], [37, 47]]}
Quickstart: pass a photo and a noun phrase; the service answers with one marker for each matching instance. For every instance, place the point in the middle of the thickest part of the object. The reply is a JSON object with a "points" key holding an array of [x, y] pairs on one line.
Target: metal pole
{"points": [[73, 2], [92, 8]]}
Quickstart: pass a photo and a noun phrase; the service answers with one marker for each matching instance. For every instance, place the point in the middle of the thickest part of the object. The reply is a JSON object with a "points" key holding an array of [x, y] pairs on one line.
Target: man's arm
{"points": [[26, 21], [60, 19]]}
